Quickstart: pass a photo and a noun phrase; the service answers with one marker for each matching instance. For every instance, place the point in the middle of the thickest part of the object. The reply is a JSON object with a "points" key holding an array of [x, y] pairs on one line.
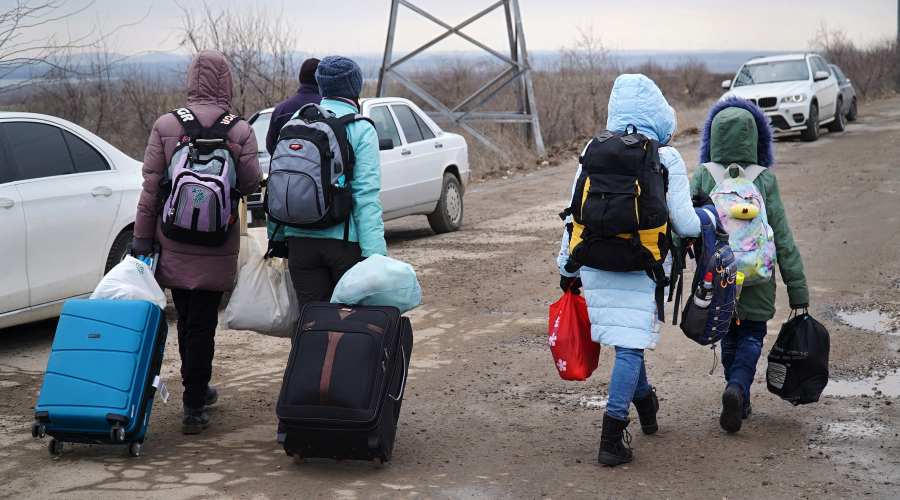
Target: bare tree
{"points": [[874, 68], [28, 58], [258, 43], [692, 72]]}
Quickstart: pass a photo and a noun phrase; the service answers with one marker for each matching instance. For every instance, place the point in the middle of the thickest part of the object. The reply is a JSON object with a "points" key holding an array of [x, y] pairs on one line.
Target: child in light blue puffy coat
{"points": [[622, 305]]}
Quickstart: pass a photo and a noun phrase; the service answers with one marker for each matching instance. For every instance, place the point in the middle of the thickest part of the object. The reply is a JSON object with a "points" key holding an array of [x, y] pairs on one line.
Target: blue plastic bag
{"points": [[379, 281]]}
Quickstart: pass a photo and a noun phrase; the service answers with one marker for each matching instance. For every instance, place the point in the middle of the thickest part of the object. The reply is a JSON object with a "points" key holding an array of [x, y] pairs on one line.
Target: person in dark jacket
{"points": [[197, 275], [308, 93], [737, 132]]}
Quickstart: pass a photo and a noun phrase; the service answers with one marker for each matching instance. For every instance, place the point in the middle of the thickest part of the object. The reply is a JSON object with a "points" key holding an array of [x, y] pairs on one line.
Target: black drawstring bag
{"points": [[798, 362]]}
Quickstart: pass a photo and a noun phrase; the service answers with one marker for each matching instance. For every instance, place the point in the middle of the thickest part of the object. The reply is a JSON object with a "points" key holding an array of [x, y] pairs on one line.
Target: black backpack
{"points": [[311, 171], [620, 220], [798, 362]]}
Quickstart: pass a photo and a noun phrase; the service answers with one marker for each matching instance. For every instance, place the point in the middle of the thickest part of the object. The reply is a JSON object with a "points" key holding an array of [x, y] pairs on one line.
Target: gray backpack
{"points": [[311, 171]]}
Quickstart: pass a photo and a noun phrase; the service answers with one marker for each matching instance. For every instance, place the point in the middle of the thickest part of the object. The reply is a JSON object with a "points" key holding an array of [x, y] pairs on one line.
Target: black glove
{"points": [[142, 246], [575, 282], [701, 199], [277, 249]]}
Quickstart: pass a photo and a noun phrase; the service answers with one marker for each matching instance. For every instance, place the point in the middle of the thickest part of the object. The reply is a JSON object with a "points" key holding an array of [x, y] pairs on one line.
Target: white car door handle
{"points": [[405, 152], [438, 145], [6, 203], [101, 191]]}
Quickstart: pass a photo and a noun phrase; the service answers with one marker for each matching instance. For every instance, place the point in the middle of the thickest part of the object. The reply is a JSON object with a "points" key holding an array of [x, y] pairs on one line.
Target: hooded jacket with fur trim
{"points": [[737, 132]]}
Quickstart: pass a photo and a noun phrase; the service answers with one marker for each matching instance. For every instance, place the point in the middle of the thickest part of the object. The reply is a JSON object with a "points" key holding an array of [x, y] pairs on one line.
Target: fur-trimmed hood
{"points": [[764, 151]]}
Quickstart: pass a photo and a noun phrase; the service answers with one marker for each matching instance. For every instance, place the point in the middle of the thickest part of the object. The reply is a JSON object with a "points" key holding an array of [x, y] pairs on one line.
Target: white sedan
{"points": [[67, 205], [424, 170]]}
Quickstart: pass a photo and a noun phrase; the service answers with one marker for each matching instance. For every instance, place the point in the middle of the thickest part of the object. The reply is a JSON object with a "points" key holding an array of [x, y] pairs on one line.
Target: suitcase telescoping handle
{"points": [[150, 260], [405, 369]]}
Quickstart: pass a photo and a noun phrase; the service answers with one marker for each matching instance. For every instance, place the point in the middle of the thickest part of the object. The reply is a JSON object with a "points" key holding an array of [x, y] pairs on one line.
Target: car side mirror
{"points": [[820, 75], [726, 84], [385, 144]]}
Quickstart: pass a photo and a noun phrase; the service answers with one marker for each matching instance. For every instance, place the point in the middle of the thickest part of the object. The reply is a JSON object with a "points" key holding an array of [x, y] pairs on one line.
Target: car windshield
{"points": [[771, 72], [261, 129]]}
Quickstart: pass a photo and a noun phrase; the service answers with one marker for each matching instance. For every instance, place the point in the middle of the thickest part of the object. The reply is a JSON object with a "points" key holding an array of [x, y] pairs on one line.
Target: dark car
{"points": [[847, 93]]}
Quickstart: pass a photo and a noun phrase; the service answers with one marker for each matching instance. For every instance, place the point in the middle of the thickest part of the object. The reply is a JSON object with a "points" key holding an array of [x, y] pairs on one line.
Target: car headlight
{"points": [[794, 98]]}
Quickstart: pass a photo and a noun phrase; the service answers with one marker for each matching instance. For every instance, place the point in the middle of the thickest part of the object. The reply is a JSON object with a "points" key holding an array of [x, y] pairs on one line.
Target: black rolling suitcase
{"points": [[343, 385]]}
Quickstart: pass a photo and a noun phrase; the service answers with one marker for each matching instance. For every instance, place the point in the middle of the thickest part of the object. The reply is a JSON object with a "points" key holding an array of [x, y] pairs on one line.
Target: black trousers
{"points": [[198, 316], [317, 264]]}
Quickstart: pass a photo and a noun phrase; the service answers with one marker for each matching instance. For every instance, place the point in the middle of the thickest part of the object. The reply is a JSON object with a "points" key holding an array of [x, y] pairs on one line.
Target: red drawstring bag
{"points": [[576, 355]]}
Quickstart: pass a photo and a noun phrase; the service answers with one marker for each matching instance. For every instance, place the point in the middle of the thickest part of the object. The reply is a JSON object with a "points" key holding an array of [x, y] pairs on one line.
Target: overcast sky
{"points": [[360, 26]]}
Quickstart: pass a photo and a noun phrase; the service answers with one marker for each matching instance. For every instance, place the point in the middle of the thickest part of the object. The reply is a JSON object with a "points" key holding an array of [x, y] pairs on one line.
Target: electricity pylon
{"points": [[518, 73]]}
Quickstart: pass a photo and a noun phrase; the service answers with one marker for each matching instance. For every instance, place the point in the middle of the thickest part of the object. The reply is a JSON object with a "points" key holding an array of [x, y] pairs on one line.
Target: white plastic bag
{"points": [[263, 300], [379, 281], [131, 279]]}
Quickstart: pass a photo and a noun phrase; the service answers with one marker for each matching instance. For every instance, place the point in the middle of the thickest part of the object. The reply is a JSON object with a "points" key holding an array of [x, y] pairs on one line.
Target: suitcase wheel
{"points": [[297, 458], [38, 430], [117, 433], [377, 463], [134, 449], [55, 447]]}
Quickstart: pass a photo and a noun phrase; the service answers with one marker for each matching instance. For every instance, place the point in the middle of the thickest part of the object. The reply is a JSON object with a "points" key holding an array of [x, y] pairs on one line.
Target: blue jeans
{"points": [[741, 348], [628, 381]]}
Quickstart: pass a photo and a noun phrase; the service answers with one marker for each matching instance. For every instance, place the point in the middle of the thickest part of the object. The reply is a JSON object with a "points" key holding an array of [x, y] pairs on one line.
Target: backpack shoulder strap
{"points": [[225, 122], [187, 118], [716, 170], [753, 171], [348, 119]]}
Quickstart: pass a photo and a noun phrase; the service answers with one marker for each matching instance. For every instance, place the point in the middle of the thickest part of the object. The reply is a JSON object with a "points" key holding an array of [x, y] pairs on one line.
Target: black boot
{"points": [[732, 403], [647, 407], [612, 450], [212, 395], [194, 421]]}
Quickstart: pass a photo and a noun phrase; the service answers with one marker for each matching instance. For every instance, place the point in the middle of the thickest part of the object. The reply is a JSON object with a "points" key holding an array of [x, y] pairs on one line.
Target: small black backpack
{"points": [[311, 171], [620, 220]]}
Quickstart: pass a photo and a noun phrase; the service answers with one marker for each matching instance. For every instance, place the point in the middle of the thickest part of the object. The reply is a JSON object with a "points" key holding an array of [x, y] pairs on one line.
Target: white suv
{"points": [[798, 92]]}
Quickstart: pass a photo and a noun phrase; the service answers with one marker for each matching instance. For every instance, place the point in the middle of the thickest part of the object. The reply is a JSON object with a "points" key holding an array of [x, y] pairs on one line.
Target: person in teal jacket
{"points": [[318, 258], [737, 132]]}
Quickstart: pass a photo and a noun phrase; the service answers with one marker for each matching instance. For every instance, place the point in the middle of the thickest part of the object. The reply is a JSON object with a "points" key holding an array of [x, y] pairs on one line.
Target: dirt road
{"points": [[486, 415]]}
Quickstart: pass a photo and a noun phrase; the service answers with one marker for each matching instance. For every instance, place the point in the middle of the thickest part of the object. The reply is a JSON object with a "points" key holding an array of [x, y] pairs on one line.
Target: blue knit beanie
{"points": [[339, 76]]}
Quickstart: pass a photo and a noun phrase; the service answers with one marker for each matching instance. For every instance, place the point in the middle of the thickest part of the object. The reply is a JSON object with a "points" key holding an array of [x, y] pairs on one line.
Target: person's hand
{"points": [[701, 199], [277, 249], [574, 282], [142, 246]]}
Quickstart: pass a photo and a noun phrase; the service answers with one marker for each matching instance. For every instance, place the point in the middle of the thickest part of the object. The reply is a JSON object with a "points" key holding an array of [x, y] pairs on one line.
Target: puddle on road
{"points": [[873, 321], [856, 429], [887, 385], [587, 402]]}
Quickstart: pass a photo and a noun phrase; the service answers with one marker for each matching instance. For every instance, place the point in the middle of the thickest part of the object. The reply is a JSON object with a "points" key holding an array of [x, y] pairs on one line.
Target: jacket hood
{"points": [[726, 131], [209, 80], [636, 100]]}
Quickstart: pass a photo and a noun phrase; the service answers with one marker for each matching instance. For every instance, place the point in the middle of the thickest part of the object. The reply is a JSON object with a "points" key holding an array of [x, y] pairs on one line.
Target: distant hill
{"points": [[718, 62]]}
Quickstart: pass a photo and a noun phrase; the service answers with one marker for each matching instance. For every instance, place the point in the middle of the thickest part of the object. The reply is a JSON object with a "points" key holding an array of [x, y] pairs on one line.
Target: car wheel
{"points": [[812, 124], [852, 115], [448, 214], [837, 125], [117, 253]]}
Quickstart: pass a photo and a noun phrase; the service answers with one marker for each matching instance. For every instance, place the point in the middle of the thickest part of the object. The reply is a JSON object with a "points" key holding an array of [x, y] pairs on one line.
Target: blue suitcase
{"points": [[99, 383]]}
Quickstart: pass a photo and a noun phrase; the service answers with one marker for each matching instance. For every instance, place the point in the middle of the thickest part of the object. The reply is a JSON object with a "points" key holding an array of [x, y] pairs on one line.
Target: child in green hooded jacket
{"points": [[737, 132]]}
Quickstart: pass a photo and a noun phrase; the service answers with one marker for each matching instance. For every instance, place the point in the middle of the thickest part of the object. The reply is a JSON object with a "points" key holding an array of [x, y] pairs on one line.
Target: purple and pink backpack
{"points": [[198, 199]]}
